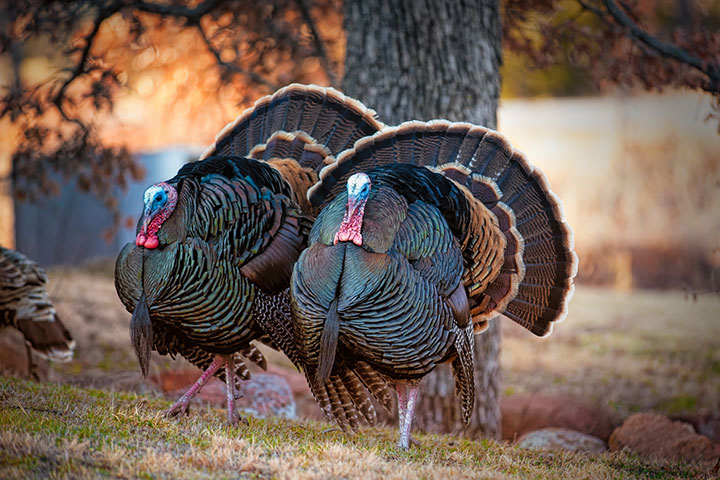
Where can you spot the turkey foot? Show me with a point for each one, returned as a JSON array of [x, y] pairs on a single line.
[[407, 400], [181, 406]]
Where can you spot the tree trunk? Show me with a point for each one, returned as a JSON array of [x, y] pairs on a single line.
[[425, 59]]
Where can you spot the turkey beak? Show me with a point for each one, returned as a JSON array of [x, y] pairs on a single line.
[[351, 206], [148, 216]]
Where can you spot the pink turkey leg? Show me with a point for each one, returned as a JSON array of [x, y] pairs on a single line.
[[405, 438], [181, 406], [401, 390]]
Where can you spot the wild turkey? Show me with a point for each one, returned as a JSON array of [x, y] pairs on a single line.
[[447, 228], [210, 268], [26, 305]]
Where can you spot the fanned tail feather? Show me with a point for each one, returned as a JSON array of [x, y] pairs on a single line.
[[26, 304], [299, 129], [532, 281], [548, 257], [49, 338]]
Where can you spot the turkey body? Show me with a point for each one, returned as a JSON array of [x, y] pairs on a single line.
[[442, 227], [394, 293], [210, 268], [26, 305], [229, 212]]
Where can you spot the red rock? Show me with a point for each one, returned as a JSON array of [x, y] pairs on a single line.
[[522, 414], [174, 380], [705, 424], [561, 439], [654, 435], [14, 356]]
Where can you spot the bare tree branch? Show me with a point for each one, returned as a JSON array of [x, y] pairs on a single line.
[[711, 70], [231, 66], [80, 68], [192, 14], [319, 44], [591, 8]]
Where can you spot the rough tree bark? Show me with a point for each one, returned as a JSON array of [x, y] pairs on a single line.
[[425, 59]]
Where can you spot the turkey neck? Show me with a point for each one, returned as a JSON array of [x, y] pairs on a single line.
[[384, 211]]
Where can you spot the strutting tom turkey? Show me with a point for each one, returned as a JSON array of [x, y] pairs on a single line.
[[427, 231], [209, 270], [26, 305]]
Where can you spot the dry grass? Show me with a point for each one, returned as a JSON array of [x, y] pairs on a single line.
[[630, 351], [55, 431], [633, 352]]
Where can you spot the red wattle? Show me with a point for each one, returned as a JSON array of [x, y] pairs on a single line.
[[349, 233], [140, 240], [151, 242], [351, 227]]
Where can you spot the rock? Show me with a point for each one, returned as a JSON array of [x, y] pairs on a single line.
[[561, 439], [526, 413], [267, 395], [14, 356], [174, 380], [307, 407], [297, 381], [705, 424], [654, 435]]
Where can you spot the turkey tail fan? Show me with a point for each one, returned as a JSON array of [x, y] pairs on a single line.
[[49, 338], [548, 257], [26, 305], [299, 129], [532, 281], [344, 396]]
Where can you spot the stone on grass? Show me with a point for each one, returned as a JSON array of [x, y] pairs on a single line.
[[525, 413], [267, 395], [307, 407], [561, 439], [654, 435], [707, 424], [14, 356]]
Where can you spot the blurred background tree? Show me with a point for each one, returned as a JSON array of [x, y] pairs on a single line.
[[78, 77]]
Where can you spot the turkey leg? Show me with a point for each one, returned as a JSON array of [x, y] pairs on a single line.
[[401, 390], [407, 400], [180, 407], [230, 392]]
